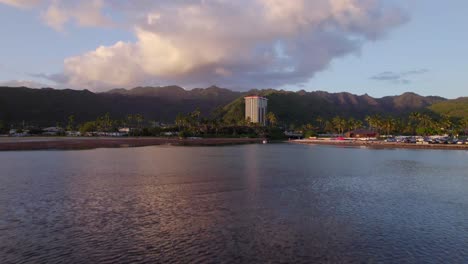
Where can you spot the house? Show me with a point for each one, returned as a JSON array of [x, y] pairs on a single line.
[[170, 134], [124, 130], [52, 131], [361, 133], [73, 133], [294, 134], [18, 132]]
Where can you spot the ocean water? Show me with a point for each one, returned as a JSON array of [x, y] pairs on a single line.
[[234, 204]]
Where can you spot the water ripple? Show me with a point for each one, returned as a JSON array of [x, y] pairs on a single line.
[[241, 204]]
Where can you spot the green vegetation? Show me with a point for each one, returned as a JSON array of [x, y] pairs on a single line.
[[298, 108], [455, 108], [3, 127], [46, 107], [415, 123], [214, 112], [193, 125], [233, 113], [108, 125], [71, 123]]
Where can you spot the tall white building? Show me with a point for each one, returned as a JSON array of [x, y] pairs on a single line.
[[256, 109]]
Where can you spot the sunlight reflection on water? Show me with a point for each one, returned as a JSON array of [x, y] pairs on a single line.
[[251, 203]]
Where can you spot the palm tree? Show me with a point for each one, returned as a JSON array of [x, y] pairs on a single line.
[[71, 123], [320, 121], [195, 116], [389, 125], [414, 119], [464, 125], [329, 126], [339, 124], [215, 124], [308, 127], [415, 116], [181, 121], [445, 123], [104, 123], [426, 123], [272, 120], [354, 124], [374, 122], [205, 125], [139, 119]]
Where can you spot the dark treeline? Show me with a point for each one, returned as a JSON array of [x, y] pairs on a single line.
[[195, 124], [416, 123], [192, 124], [216, 111]]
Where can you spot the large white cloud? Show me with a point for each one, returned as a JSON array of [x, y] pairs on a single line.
[[242, 44]]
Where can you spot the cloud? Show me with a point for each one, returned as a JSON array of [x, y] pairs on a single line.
[[57, 13], [236, 44], [398, 77], [83, 13], [56, 77], [23, 83], [21, 3]]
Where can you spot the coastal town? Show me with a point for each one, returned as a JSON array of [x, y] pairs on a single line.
[[214, 131], [257, 126]]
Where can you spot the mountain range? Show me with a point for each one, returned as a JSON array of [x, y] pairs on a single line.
[[47, 106]]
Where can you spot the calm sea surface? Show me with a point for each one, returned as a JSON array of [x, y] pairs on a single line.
[[238, 204]]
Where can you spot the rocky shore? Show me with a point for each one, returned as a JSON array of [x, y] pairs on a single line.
[[379, 144], [47, 143]]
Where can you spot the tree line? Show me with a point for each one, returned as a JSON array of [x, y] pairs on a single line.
[[195, 124], [416, 123], [184, 125]]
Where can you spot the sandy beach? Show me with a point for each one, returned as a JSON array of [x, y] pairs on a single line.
[[379, 144], [70, 143]]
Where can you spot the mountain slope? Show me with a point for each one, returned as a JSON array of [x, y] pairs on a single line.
[[46, 107], [454, 108], [304, 107]]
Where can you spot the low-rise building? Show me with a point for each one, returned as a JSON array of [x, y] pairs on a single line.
[[18, 133], [52, 131], [361, 133]]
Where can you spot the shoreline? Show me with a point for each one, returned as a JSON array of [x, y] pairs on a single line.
[[83, 143], [378, 144]]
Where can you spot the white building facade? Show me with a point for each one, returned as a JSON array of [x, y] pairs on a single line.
[[256, 109]]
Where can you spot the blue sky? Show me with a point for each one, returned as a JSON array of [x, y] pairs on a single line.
[[423, 50], [435, 39]]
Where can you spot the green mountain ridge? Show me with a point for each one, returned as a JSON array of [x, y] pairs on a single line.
[[455, 108], [304, 107], [47, 106]]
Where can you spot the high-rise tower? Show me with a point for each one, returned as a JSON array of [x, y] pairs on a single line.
[[255, 109]]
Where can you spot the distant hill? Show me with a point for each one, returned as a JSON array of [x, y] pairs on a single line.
[[176, 93], [455, 108], [304, 107], [47, 106]]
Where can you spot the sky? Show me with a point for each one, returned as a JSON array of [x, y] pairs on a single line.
[[375, 47]]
